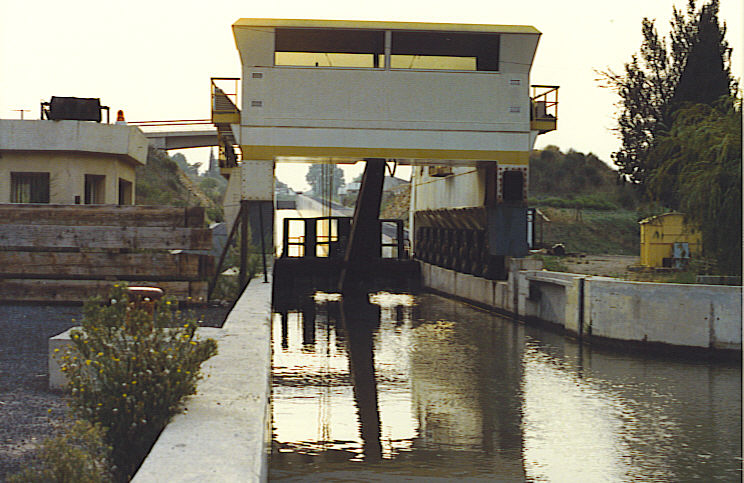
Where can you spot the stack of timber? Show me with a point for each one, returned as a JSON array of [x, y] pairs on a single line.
[[69, 253]]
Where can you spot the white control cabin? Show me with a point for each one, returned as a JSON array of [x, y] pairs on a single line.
[[423, 93]]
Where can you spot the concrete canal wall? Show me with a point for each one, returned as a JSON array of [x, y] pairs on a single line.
[[685, 315], [224, 433]]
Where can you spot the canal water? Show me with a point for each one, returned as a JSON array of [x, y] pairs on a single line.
[[422, 388]]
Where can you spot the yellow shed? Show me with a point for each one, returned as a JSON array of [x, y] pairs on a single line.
[[666, 241]]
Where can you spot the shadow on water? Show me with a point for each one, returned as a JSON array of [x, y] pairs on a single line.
[[423, 388]]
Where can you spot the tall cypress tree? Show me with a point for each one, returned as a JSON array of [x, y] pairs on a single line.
[[706, 76], [693, 66]]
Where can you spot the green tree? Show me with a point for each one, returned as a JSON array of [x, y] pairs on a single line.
[[325, 179], [700, 174], [706, 76], [663, 76]]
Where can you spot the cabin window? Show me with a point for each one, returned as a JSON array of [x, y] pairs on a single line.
[[29, 187], [95, 189], [444, 50], [308, 47], [329, 48]]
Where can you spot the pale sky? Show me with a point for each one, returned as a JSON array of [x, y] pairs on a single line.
[[153, 59]]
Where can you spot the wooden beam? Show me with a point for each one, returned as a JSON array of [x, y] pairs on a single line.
[[20, 236], [36, 290], [105, 265], [98, 215]]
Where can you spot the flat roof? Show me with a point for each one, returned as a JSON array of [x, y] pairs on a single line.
[[379, 25]]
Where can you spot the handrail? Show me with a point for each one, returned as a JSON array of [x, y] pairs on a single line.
[[228, 93], [334, 242], [544, 101]]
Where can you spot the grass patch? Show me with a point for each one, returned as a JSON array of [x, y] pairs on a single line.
[[552, 263], [593, 231]]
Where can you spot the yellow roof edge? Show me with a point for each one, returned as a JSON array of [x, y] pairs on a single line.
[[384, 25], [655, 217]]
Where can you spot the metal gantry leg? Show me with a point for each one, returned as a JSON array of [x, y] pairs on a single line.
[[364, 240]]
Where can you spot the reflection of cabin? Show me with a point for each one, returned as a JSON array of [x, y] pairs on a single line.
[[667, 241], [69, 162]]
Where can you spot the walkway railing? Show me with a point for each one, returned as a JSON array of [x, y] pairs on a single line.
[[544, 112], [327, 236]]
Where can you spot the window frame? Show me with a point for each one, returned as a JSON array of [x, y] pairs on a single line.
[[388, 49], [95, 187], [29, 177]]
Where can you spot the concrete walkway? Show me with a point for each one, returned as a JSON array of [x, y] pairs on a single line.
[[223, 434]]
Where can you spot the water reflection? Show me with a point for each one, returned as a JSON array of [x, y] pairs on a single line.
[[426, 388], [627, 418], [359, 320]]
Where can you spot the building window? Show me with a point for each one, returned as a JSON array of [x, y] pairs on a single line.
[[468, 51], [95, 189], [445, 51], [330, 48], [125, 192], [29, 187]]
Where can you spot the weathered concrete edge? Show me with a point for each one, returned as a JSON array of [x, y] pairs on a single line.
[[513, 298], [223, 433]]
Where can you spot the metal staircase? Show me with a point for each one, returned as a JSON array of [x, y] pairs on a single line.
[[225, 112]]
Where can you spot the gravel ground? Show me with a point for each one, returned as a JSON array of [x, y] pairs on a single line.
[[29, 410]]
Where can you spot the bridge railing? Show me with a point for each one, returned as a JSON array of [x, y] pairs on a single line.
[[327, 236]]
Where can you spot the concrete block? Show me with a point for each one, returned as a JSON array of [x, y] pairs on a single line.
[[56, 347], [678, 314]]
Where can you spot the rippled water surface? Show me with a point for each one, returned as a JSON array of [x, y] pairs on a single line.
[[421, 388]]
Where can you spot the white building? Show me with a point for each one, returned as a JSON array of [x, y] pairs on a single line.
[[69, 162]]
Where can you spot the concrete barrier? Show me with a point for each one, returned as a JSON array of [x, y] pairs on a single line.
[[223, 435], [706, 316], [685, 315]]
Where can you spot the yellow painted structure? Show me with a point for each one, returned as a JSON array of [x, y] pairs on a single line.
[[422, 93], [660, 233]]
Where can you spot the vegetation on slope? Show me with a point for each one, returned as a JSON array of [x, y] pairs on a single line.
[[162, 182], [577, 180], [590, 209]]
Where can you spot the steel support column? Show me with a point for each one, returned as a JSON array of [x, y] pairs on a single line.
[[365, 238]]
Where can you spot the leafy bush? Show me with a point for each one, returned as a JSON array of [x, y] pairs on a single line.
[[78, 455], [129, 368]]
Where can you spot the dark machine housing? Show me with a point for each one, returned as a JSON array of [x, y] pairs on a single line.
[[74, 109]]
